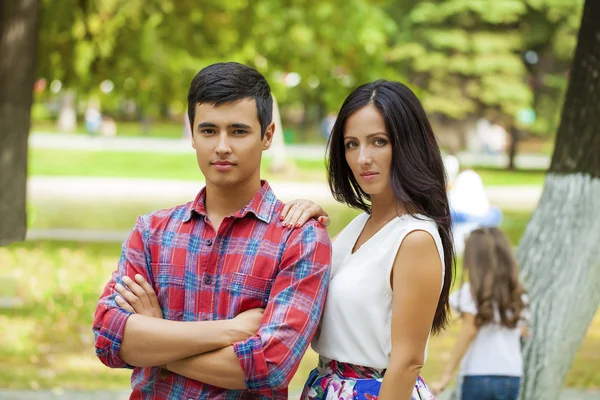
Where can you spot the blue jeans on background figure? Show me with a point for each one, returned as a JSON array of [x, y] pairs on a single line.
[[484, 387]]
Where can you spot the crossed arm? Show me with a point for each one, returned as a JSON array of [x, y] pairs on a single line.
[[149, 340], [232, 353], [128, 339], [211, 360]]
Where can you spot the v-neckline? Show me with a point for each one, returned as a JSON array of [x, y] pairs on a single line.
[[353, 251]]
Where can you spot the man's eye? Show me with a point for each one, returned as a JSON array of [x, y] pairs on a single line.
[[207, 131], [239, 132]]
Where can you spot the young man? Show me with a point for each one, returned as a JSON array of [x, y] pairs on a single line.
[[212, 262]]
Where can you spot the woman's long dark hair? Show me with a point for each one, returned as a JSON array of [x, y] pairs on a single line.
[[417, 173], [494, 277]]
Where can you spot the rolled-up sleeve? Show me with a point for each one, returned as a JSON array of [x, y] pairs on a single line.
[[109, 318], [270, 359]]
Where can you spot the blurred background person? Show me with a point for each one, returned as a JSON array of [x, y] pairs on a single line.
[[93, 117], [494, 315], [470, 207]]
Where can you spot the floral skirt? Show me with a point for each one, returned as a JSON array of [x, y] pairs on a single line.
[[340, 381]]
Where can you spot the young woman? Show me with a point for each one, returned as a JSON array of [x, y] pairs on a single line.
[[392, 265], [494, 317]]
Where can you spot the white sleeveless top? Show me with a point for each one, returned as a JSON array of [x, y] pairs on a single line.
[[356, 325]]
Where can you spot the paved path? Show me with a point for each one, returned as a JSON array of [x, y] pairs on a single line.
[[134, 189], [303, 151], [174, 192]]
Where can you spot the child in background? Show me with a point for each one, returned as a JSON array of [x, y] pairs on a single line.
[[494, 314]]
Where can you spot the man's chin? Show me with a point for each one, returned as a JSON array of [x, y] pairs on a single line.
[[223, 182]]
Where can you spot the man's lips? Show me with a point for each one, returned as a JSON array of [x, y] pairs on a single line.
[[223, 163]]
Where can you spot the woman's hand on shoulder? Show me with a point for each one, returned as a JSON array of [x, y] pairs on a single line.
[[296, 212]]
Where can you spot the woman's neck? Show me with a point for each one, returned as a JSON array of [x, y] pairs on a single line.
[[384, 208]]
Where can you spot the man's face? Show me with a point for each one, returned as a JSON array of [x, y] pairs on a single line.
[[228, 143]]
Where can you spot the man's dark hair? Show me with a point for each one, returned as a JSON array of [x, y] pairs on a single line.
[[231, 82]]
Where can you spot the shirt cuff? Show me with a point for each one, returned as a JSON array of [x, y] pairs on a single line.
[[110, 338], [251, 357]]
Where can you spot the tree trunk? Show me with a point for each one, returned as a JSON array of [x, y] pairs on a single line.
[[18, 47], [559, 253], [278, 150], [515, 136]]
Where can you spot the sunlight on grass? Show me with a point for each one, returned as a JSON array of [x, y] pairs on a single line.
[[160, 129], [53, 162], [48, 342]]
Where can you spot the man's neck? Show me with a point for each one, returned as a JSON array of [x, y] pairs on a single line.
[[222, 201]]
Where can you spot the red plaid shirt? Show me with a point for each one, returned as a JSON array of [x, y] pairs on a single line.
[[253, 261]]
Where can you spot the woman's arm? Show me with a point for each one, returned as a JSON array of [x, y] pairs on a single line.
[[466, 335], [416, 281]]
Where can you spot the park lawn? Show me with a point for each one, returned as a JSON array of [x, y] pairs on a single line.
[[159, 129], [48, 341], [503, 177], [53, 162], [183, 166], [117, 215]]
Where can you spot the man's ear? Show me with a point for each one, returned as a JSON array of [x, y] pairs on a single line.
[[268, 138]]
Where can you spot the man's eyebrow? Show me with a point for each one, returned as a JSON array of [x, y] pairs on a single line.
[[235, 125], [240, 125], [206, 125]]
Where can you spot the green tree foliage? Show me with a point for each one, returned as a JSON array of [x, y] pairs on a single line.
[[463, 57], [470, 56], [151, 49], [550, 29]]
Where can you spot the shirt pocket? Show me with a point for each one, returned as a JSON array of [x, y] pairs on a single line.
[[248, 291], [169, 285]]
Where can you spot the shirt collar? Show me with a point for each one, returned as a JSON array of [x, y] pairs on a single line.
[[261, 205]]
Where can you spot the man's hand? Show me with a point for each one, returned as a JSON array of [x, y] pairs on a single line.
[[246, 324], [138, 298]]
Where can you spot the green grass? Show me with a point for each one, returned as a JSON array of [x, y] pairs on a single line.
[[159, 129], [116, 215], [502, 177], [53, 162], [48, 342]]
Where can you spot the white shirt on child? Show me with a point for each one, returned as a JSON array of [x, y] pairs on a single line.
[[496, 350], [356, 324]]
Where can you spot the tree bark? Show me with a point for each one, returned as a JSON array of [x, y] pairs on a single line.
[[559, 253], [18, 47], [515, 137], [278, 150]]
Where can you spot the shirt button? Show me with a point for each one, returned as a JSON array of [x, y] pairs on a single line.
[[207, 280], [209, 242]]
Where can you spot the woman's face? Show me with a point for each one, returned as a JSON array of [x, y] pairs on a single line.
[[368, 150]]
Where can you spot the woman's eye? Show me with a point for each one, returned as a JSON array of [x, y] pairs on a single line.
[[380, 142], [351, 145]]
